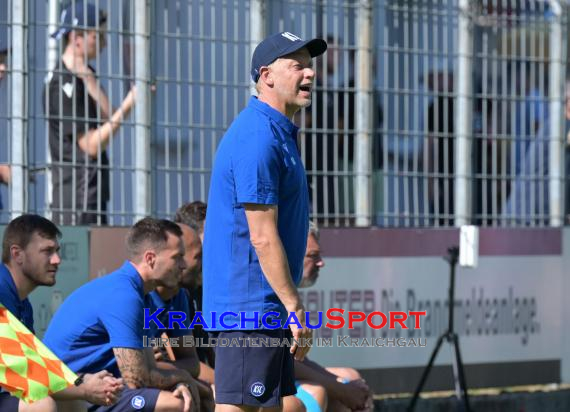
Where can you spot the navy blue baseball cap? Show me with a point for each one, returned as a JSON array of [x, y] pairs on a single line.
[[279, 45], [81, 16]]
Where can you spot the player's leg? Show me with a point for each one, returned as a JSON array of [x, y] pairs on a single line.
[[44, 405], [313, 396], [346, 373], [292, 403]]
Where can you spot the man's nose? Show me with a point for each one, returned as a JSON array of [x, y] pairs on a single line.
[[55, 259]]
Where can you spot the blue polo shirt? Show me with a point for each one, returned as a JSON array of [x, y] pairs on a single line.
[[103, 314], [179, 303], [257, 162], [21, 309]]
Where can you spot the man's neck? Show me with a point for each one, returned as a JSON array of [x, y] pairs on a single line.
[[24, 285], [286, 111], [148, 283]]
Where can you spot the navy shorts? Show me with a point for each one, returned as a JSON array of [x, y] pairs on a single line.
[[132, 400], [253, 376], [8, 403]]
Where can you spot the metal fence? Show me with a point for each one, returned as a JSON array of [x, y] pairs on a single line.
[[425, 112]]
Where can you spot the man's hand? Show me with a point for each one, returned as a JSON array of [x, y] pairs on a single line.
[[301, 334], [159, 354], [355, 395], [183, 392], [102, 388]]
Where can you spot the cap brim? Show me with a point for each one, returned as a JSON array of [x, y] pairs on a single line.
[[316, 47], [57, 34]]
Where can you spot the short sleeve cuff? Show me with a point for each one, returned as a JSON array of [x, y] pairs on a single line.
[[269, 199], [127, 343]]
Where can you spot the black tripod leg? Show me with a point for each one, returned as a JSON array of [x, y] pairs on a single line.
[[425, 373], [459, 374]]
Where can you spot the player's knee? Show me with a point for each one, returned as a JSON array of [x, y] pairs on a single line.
[[318, 392], [350, 374], [167, 402], [293, 404], [44, 405]]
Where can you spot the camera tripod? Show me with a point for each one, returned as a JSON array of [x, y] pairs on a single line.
[[451, 337]]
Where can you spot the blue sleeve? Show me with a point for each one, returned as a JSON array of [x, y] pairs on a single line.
[[123, 321], [181, 304], [256, 168]]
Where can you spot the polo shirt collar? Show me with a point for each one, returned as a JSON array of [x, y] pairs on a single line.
[[287, 125], [6, 277], [133, 274], [157, 300]]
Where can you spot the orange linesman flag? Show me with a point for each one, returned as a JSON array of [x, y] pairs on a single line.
[[28, 369]]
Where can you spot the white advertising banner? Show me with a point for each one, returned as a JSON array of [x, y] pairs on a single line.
[[507, 309]]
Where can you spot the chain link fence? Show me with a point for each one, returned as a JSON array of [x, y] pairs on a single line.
[[425, 113]]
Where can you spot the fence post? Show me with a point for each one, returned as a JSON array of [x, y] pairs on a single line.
[[556, 139], [256, 24], [363, 149], [142, 205], [463, 116], [18, 91]]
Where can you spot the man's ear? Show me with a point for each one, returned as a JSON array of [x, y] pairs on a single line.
[[16, 254], [149, 258], [266, 76]]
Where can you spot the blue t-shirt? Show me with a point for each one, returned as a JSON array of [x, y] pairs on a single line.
[[257, 162], [103, 314], [153, 302], [21, 309]]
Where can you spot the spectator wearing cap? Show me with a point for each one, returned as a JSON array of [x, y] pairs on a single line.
[[81, 120], [255, 242]]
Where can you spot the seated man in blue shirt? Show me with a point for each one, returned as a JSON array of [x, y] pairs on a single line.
[[344, 388], [30, 258], [177, 299], [100, 325]]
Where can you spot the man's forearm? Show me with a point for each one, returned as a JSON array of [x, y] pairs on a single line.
[[308, 372], [69, 394], [167, 379], [206, 373], [276, 270]]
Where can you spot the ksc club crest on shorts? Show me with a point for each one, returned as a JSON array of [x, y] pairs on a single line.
[[137, 402], [257, 389]]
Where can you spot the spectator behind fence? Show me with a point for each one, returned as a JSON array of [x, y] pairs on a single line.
[[100, 325], [4, 168], [528, 203], [81, 121], [256, 227], [329, 134], [30, 258], [441, 152], [344, 387]]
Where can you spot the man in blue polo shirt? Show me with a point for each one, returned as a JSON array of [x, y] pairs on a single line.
[[30, 258], [177, 299], [100, 325], [256, 227]]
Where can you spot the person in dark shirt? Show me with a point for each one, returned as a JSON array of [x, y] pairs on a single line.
[[81, 121]]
